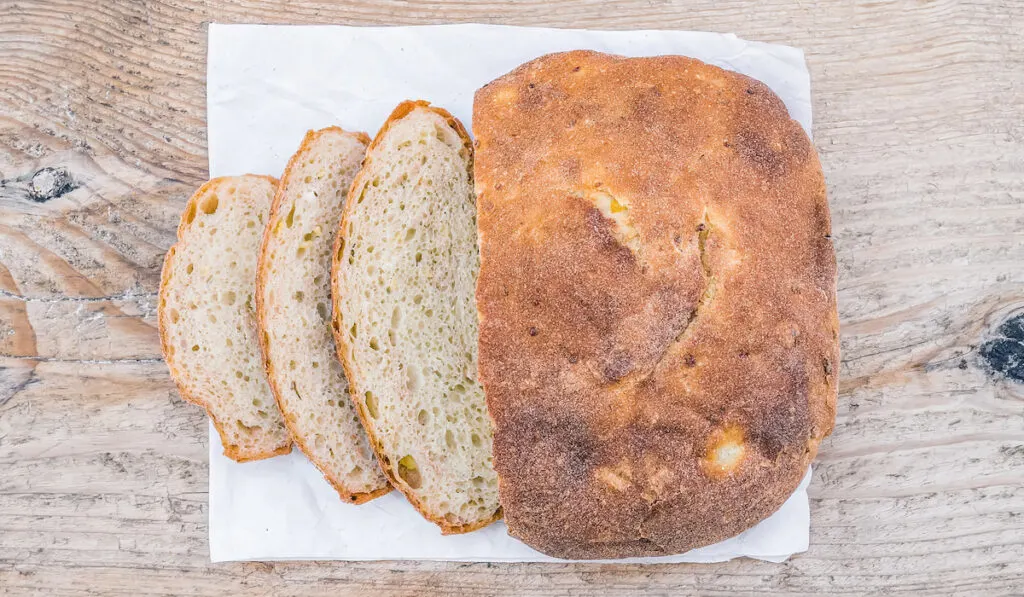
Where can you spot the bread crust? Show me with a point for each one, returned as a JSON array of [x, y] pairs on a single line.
[[231, 451], [657, 297], [341, 340], [347, 494]]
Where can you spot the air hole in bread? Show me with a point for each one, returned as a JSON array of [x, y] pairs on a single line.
[[321, 310], [213, 318], [371, 405], [374, 344], [409, 473], [299, 295], [449, 439], [209, 204], [190, 214], [475, 439], [195, 348], [292, 365], [352, 331], [410, 234], [189, 268], [228, 298], [422, 417], [238, 374], [316, 365], [174, 315], [414, 379], [419, 257], [290, 218]]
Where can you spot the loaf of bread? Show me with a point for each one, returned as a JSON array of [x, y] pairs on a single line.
[[657, 296], [293, 305], [207, 315], [405, 266]]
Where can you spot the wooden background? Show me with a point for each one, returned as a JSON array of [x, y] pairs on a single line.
[[919, 119]]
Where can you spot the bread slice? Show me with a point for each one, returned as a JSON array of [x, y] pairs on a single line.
[[207, 315], [293, 306], [405, 266]]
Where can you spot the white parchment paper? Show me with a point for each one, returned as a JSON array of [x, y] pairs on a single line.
[[266, 86]]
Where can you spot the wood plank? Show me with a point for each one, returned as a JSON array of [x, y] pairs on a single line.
[[917, 119]]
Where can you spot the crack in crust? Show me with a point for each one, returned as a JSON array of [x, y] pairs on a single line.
[[707, 295], [615, 209]]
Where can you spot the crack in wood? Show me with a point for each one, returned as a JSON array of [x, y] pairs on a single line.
[[31, 378], [142, 361], [124, 296]]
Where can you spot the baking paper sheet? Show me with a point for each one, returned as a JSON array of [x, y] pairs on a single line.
[[266, 86]]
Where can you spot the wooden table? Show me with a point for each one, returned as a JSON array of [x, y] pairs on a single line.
[[919, 119]]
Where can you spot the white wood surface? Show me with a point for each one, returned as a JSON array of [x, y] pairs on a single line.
[[919, 120]]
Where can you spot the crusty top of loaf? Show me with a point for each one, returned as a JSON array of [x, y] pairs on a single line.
[[657, 294]]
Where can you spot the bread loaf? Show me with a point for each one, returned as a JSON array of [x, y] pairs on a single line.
[[293, 300], [207, 316], [405, 267], [657, 296]]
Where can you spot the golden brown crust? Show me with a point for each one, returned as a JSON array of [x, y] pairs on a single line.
[[658, 329], [341, 340], [232, 451], [346, 493]]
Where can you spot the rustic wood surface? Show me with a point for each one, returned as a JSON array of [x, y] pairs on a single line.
[[919, 119]]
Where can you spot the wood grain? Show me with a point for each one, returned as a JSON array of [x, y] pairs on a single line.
[[918, 107]]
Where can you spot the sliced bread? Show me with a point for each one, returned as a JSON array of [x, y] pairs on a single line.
[[207, 315], [293, 305], [405, 323]]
